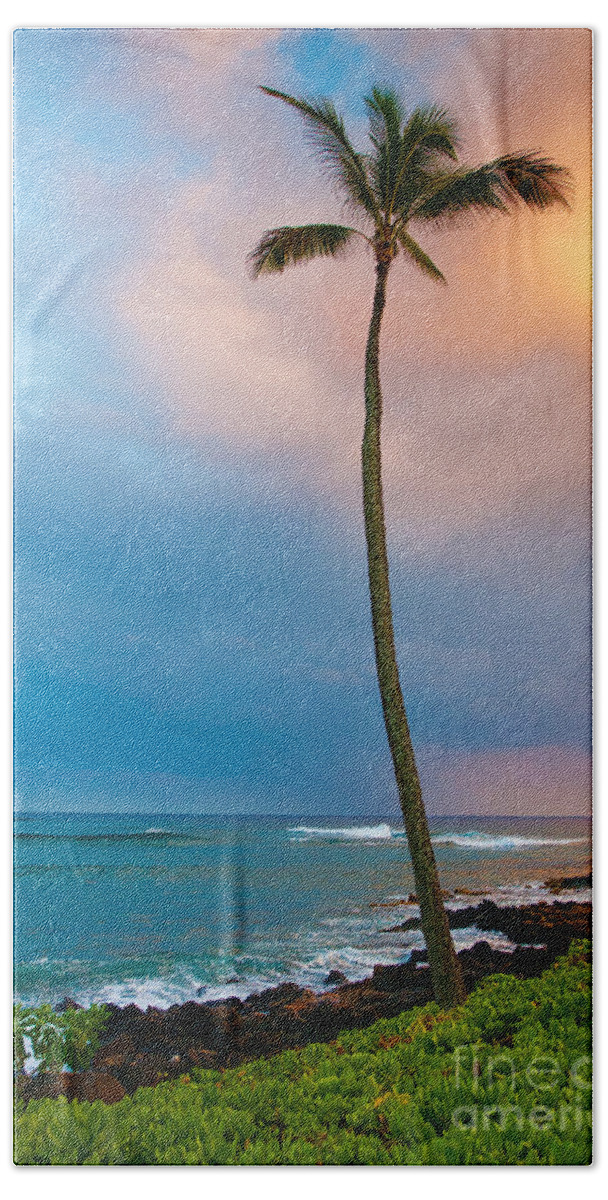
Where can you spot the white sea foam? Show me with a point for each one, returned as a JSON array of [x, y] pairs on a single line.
[[146, 992], [465, 938], [488, 841], [371, 833], [468, 840], [518, 894], [31, 1063], [354, 961]]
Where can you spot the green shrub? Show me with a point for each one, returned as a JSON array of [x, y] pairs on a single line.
[[504, 1079], [67, 1039]]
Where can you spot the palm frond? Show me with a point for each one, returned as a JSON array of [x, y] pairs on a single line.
[[403, 147], [421, 259], [535, 181], [280, 248], [329, 138], [428, 136], [385, 118], [447, 193], [432, 130]]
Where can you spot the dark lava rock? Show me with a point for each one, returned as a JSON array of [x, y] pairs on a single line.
[[95, 1085], [79, 1085], [46, 1086], [569, 883], [231, 1002], [395, 979], [334, 978], [146, 1070], [192, 1020], [115, 1053], [552, 925], [556, 923], [483, 952], [419, 956], [285, 993], [199, 1056]]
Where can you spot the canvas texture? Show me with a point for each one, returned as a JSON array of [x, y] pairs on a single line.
[[302, 583]]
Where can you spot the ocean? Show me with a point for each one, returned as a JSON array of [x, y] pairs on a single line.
[[156, 910]]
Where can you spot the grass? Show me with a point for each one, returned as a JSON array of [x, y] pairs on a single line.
[[503, 1079]]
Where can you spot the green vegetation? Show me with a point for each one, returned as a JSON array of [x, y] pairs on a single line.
[[409, 177], [67, 1039], [503, 1079]]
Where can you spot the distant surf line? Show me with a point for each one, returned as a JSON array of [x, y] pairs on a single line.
[[469, 840]]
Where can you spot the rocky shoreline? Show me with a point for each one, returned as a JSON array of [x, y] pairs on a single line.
[[142, 1049]]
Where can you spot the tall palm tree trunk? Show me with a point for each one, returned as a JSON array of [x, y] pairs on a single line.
[[445, 968]]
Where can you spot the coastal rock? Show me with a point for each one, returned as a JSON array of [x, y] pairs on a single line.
[[334, 978], [198, 1056], [147, 1070], [419, 956], [552, 925], [95, 1085], [47, 1086], [192, 1020], [402, 977], [285, 993], [228, 1032], [569, 883], [532, 924], [115, 1053], [530, 961]]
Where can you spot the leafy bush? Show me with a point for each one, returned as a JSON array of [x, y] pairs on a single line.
[[504, 1079], [67, 1039]]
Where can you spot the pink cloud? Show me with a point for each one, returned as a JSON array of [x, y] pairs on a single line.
[[543, 780]]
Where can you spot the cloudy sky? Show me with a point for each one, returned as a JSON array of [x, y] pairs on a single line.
[[192, 619]]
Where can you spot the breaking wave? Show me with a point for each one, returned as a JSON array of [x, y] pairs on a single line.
[[368, 833], [489, 841], [467, 840]]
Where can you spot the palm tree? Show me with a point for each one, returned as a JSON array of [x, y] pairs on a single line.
[[410, 177]]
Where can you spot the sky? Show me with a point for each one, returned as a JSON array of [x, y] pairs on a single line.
[[193, 626]]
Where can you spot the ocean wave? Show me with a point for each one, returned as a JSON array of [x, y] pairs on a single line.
[[368, 833], [149, 992], [489, 841], [465, 938], [519, 895], [468, 840], [355, 960]]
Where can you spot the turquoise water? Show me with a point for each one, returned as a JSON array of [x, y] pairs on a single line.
[[160, 909]]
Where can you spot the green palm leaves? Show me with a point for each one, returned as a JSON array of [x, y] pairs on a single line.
[[410, 175], [497, 185], [296, 243], [421, 259], [328, 136], [404, 149]]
